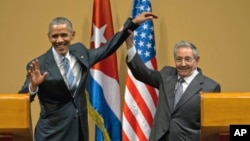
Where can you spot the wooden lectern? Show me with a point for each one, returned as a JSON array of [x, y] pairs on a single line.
[[15, 118], [219, 111]]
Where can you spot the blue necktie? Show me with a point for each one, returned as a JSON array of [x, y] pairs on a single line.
[[179, 91], [71, 81]]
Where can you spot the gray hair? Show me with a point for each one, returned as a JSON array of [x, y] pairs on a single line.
[[187, 44], [60, 20]]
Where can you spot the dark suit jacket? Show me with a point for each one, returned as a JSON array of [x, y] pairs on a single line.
[[183, 122], [60, 111]]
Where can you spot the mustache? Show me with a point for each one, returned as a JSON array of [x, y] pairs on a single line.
[[183, 68]]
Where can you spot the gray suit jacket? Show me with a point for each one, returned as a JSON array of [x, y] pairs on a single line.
[[183, 122], [60, 112]]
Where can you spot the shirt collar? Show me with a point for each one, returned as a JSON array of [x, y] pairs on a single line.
[[188, 79], [58, 58]]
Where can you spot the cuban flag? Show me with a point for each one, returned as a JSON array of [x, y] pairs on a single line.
[[103, 87]]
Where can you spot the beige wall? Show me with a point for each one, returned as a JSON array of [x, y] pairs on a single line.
[[219, 28]]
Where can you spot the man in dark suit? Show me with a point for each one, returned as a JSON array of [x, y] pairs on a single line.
[[63, 115], [180, 121]]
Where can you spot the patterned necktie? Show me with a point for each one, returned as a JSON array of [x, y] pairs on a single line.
[[179, 91], [71, 81]]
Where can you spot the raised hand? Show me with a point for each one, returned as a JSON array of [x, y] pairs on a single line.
[[36, 78]]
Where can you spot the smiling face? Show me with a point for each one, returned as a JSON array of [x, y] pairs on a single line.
[[60, 37], [185, 61]]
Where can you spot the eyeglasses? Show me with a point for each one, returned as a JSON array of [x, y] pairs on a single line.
[[186, 60]]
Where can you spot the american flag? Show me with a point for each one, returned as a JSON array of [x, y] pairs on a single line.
[[103, 86], [140, 99]]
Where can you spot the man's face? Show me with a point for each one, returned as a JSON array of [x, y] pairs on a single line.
[[60, 37], [185, 61]]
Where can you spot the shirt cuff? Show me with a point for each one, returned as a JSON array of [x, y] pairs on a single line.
[[130, 25], [131, 53], [33, 92]]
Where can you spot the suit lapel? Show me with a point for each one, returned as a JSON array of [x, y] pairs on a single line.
[[193, 89], [53, 70], [170, 93], [81, 57]]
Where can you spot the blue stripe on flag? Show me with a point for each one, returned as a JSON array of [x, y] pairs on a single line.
[[111, 122]]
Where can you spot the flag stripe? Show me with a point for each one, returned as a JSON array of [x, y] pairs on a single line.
[[109, 92], [127, 130], [142, 123], [135, 125], [144, 108], [152, 91]]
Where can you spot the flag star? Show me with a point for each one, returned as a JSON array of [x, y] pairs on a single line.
[[150, 37], [147, 54], [143, 35], [149, 45], [139, 51], [141, 43], [148, 9], [152, 29], [135, 33], [141, 7], [98, 35], [145, 26]]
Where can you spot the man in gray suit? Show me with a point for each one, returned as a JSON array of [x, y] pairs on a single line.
[[181, 121], [63, 115]]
